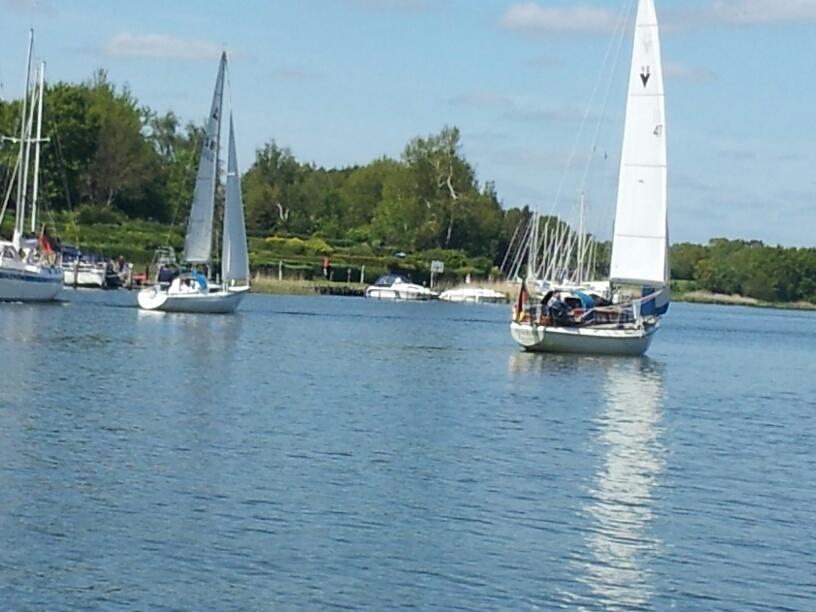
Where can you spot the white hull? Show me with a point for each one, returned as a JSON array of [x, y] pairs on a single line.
[[473, 296], [216, 302], [38, 285], [386, 293], [85, 278], [593, 340]]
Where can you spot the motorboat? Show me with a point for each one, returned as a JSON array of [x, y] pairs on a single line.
[[474, 295], [398, 287], [84, 269]]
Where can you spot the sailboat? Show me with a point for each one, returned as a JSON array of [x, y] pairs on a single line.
[[193, 291], [29, 264], [575, 322]]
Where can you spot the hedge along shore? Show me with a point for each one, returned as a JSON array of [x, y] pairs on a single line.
[[271, 285]]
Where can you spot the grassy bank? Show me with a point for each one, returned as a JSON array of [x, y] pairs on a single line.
[[271, 285], [706, 297]]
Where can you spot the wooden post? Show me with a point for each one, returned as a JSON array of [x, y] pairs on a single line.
[[362, 275], [280, 270]]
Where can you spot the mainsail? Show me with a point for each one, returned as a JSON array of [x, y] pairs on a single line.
[[198, 242], [639, 247], [234, 260]]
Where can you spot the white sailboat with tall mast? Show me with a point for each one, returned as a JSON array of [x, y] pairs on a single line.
[[571, 321], [29, 264], [194, 291]]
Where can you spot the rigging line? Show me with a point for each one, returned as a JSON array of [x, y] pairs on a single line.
[[620, 37], [587, 110], [187, 171]]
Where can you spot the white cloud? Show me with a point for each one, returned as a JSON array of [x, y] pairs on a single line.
[[746, 12], [159, 46], [532, 18]]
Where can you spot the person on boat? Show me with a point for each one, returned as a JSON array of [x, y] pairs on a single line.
[[167, 274], [201, 280], [557, 309]]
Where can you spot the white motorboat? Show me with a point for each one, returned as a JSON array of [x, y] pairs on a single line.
[[83, 270], [474, 295], [29, 266], [397, 287], [575, 322], [192, 291]]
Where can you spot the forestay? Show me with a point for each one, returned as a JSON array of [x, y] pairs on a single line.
[[639, 248], [198, 242], [234, 260]]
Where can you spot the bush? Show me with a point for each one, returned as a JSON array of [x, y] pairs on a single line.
[[318, 246], [93, 215]]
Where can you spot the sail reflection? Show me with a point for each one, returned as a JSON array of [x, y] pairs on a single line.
[[621, 507]]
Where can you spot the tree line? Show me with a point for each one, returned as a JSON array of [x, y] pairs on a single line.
[[110, 154], [111, 159], [749, 268]]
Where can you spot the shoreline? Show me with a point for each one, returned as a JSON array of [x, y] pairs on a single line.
[[272, 286], [722, 299]]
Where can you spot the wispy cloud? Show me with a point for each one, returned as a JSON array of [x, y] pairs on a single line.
[[545, 62], [29, 6], [684, 72], [515, 109], [533, 18], [409, 5], [738, 155], [762, 11], [482, 100], [159, 46], [296, 73]]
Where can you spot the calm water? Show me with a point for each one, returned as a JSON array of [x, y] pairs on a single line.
[[316, 453]]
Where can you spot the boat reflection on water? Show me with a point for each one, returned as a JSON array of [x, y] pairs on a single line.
[[620, 510]]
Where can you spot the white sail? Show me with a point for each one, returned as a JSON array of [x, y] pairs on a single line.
[[640, 244], [234, 258], [198, 242]]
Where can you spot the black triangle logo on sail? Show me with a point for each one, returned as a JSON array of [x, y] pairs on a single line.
[[645, 73]]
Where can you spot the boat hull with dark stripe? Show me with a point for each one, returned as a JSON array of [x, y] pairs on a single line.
[[26, 285], [631, 340]]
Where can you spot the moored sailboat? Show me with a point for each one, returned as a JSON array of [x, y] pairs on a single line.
[[192, 291], [29, 264], [573, 321]]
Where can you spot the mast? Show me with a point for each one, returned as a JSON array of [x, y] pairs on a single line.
[[532, 259], [581, 239], [37, 142], [22, 169]]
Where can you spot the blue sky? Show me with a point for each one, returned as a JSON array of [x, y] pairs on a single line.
[[345, 81]]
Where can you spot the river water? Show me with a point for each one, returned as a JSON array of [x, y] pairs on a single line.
[[319, 453]]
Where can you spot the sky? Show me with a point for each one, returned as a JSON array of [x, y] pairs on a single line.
[[537, 88]]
